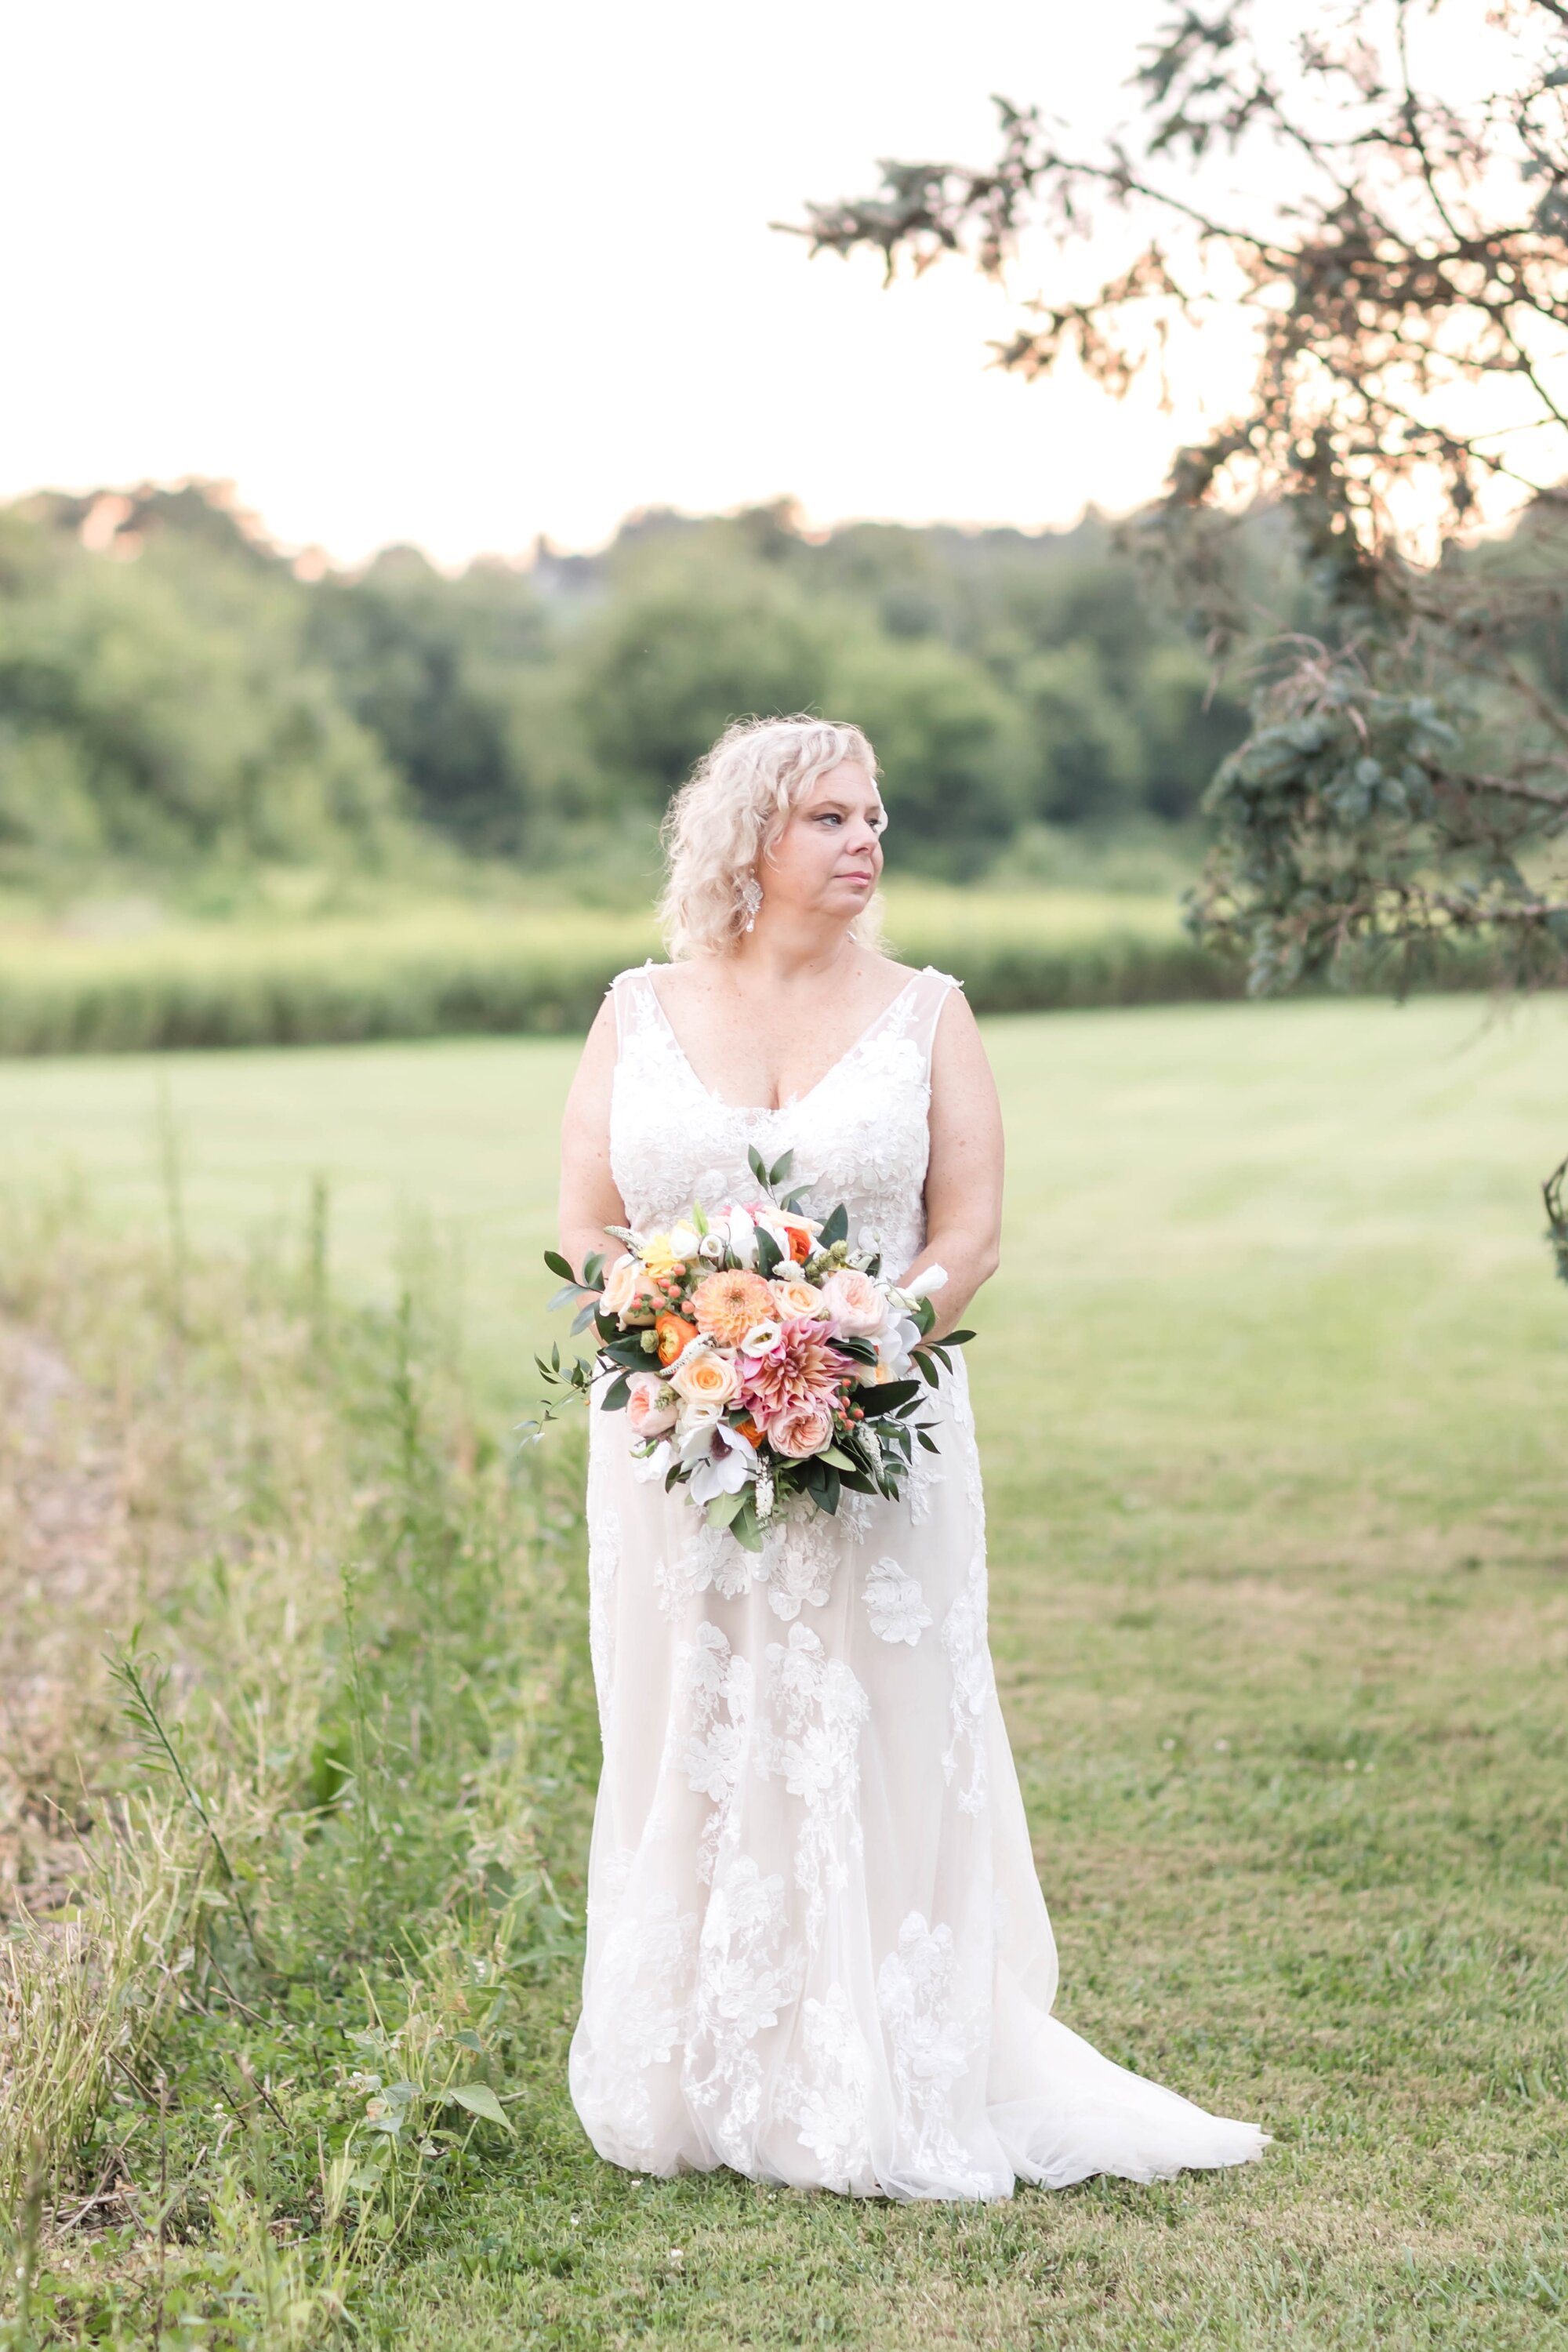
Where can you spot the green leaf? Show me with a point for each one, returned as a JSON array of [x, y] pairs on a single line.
[[840, 1461], [583, 1317], [957, 1339], [928, 1370], [836, 1228], [593, 1267], [756, 1164], [557, 1265], [886, 1398], [768, 1252], [725, 1508], [781, 1168], [616, 1394], [479, 2100], [744, 1529]]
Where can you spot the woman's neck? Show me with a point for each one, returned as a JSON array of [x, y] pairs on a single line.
[[782, 950]]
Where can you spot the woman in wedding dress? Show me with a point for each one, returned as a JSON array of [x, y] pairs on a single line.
[[817, 1949]]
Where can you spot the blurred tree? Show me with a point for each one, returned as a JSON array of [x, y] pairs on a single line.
[[1405, 782], [952, 748], [165, 707], [438, 670], [692, 639]]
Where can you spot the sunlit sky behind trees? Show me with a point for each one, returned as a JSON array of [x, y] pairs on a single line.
[[465, 276]]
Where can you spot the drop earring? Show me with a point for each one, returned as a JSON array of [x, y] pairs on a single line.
[[751, 899]]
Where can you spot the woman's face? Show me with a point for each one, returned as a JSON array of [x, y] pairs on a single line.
[[826, 857]]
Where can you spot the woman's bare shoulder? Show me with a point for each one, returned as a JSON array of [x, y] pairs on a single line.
[[689, 976]]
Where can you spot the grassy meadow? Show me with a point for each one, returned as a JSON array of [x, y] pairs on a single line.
[[1271, 1391]]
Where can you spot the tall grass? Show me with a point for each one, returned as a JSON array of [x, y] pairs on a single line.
[[260, 2019], [474, 968]]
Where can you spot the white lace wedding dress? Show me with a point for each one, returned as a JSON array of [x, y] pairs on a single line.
[[817, 1949]]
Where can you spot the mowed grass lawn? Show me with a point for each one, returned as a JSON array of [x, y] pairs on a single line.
[[1271, 1392]]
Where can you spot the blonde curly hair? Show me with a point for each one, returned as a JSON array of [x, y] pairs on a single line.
[[723, 822]]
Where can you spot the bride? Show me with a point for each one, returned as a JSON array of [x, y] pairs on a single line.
[[817, 1949]]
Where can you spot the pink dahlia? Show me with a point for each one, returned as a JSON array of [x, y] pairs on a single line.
[[802, 1368]]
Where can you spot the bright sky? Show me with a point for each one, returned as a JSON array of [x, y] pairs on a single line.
[[464, 273]]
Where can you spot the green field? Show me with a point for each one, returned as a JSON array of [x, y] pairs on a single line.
[[454, 966], [1271, 1394]]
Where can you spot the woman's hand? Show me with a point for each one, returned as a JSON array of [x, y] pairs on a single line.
[[589, 1197], [964, 1176]]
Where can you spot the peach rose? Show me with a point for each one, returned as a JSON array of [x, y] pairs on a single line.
[[797, 1301], [650, 1407], [707, 1379], [800, 1429], [627, 1286], [852, 1301]]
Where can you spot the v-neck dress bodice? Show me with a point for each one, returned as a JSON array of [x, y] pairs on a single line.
[[817, 1949], [860, 1135]]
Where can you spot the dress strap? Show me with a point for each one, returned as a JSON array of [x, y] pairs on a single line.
[[930, 995], [629, 992]]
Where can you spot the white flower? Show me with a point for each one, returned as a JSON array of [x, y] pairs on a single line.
[[652, 1466], [725, 1469], [711, 1245], [684, 1238], [779, 1234], [742, 1236], [761, 1338], [925, 1285]]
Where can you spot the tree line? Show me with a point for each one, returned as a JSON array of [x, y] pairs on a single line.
[[175, 690]]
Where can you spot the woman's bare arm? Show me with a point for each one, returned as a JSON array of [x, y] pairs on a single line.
[[589, 1197], [963, 1178]]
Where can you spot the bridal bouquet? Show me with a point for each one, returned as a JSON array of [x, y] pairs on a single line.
[[757, 1357]]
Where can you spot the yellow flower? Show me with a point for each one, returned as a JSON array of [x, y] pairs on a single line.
[[659, 1256]]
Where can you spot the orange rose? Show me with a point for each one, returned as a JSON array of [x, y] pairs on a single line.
[[799, 1244], [674, 1333], [747, 1428]]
